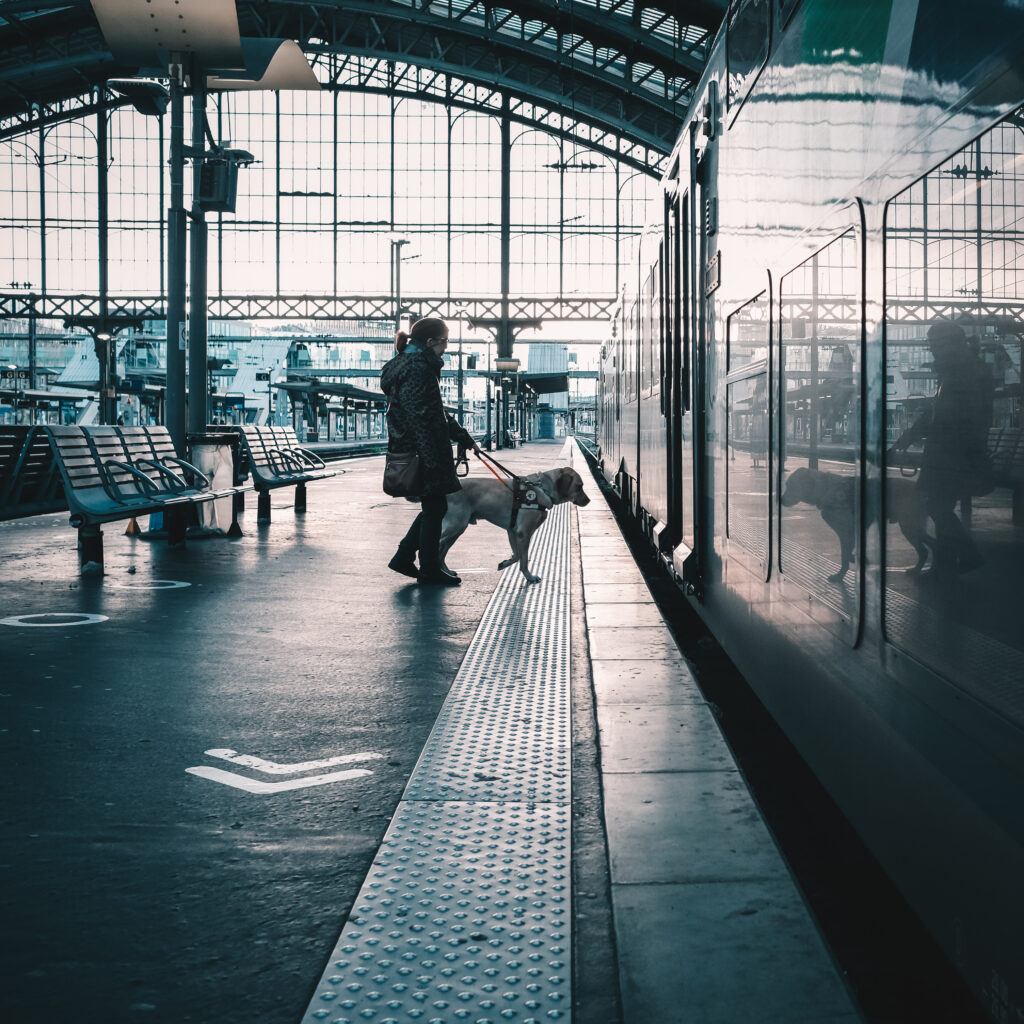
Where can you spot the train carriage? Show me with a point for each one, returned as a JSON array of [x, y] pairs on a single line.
[[819, 430]]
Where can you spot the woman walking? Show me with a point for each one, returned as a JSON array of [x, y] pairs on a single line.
[[417, 422]]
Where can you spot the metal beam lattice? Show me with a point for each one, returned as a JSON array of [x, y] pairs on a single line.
[[15, 305]]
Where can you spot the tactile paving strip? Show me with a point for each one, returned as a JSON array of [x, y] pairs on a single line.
[[465, 914], [503, 732]]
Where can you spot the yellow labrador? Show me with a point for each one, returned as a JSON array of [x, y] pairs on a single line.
[[492, 500]]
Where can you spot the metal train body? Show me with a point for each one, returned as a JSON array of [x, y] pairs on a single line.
[[852, 174]]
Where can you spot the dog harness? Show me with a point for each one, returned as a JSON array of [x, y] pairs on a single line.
[[524, 495]]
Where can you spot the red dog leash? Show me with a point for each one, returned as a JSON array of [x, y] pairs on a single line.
[[487, 460]]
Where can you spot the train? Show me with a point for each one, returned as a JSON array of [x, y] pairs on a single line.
[[809, 401]]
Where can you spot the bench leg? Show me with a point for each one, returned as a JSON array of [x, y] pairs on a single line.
[[239, 501], [90, 551], [175, 524], [263, 508], [234, 530], [300, 497]]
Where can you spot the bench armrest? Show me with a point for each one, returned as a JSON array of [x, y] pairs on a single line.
[[290, 460], [178, 482], [187, 466], [313, 460], [110, 484], [175, 482]]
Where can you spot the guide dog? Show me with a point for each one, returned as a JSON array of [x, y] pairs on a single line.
[[491, 500], [836, 497]]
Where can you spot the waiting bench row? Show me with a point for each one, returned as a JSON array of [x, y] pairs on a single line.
[[103, 474]]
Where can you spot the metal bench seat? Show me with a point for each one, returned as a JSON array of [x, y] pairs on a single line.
[[30, 482], [112, 473], [273, 458]]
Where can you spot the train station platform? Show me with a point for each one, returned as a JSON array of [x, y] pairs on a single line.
[[268, 779]]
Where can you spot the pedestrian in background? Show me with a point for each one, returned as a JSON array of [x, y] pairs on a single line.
[[417, 422]]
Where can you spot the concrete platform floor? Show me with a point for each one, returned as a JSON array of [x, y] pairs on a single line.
[[133, 889]]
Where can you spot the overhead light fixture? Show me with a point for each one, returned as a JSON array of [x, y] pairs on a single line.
[[147, 97], [268, 64], [145, 35]]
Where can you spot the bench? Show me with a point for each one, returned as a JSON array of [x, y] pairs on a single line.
[[513, 438], [271, 456], [113, 473], [30, 483], [1006, 450]]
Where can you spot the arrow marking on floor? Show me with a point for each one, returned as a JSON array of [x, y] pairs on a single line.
[[272, 768], [255, 786]]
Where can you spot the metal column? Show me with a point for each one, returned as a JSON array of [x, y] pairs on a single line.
[[175, 399], [198, 384]]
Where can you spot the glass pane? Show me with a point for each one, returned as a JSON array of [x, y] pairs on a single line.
[[747, 500], [820, 371], [748, 334], [955, 464], [747, 45], [647, 334]]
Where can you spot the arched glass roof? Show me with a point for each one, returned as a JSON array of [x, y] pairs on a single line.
[[617, 67]]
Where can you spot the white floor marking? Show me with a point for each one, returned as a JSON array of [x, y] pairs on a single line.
[[53, 619], [272, 768], [264, 788]]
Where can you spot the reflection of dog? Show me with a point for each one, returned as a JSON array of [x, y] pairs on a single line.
[[836, 496], [492, 500]]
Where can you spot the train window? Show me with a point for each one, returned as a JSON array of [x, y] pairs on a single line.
[[954, 464], [647, 334], [820, 340], [657, 330], [748, 334], [630, 353], [747, 468], [746, 46], [785, 9]]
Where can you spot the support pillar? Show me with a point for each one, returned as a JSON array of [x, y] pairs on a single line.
[[174, 406], [198, 376]]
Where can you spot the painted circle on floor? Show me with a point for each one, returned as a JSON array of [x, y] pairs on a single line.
[[53, 619], [147, 584]]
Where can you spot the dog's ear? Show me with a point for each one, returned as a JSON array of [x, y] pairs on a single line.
[[566, 482]]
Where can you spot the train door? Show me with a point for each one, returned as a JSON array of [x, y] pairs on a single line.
[[701, 265], [676, 389]]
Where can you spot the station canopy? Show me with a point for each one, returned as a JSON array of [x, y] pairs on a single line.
[[623, 67]]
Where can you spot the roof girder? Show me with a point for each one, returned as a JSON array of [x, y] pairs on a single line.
[[469, 43]]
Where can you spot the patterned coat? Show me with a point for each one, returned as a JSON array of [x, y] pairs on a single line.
[[417, 421]]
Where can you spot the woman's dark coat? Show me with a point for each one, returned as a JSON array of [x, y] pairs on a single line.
[[417, 421]]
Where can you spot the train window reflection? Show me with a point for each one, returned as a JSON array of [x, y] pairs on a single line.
[[746, 46], [954, 324], [820, 335], [747, 511], [647, 333]]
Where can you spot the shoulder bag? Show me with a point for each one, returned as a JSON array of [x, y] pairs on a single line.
[[403, 477]]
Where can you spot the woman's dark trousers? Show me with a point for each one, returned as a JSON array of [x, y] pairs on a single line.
[[425, 533]]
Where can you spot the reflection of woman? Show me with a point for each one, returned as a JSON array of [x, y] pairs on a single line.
[[417, 422], [955, 459]]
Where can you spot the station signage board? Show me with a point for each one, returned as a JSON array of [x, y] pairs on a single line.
[[15, 379]]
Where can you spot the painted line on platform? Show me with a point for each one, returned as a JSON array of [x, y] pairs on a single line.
[[53, 619], [273, 768], [147, 584], [266, 788]]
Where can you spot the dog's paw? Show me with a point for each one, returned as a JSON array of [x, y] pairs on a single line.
[[506, 563], [532, 579], [837, 577]]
